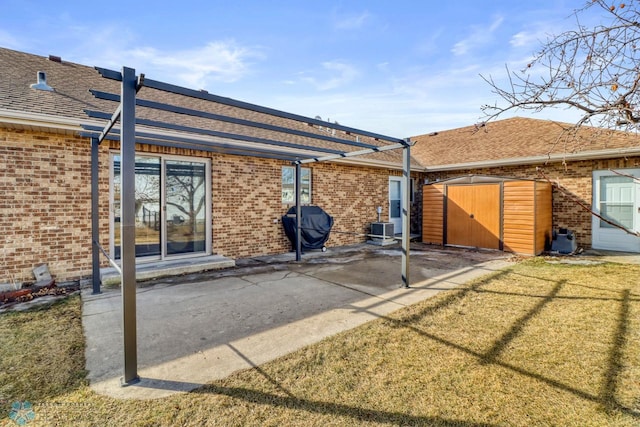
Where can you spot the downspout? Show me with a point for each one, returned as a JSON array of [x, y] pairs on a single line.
[[95, 219]]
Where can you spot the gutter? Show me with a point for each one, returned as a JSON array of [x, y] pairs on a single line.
[[68, 125], [43, 121], [377, 164], [553, 158]]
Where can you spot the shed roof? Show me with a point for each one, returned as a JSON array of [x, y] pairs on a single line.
[[63, 108], [480, 179]]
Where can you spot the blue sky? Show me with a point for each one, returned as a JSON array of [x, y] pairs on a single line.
[[400, 68]]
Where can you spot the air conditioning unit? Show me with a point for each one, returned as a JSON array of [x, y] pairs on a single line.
[[382, 233]]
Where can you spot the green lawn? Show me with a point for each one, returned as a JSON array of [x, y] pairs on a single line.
[[536, 344]]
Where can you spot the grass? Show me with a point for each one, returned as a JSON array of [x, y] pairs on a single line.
[[536, 344]]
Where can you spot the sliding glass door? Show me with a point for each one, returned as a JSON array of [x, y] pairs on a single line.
[[172, 206], [186, 202]]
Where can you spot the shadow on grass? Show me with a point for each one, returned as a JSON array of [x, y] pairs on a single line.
[[500, 344], [607, 395], [333, 409], [608, 392], [450, 298]]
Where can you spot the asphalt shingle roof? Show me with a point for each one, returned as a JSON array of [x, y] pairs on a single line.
[[503, 139], [514, 138], [71, 96]]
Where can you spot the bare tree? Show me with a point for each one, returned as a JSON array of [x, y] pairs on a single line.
[[594, 70]]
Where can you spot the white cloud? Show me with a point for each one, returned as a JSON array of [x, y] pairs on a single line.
[[197, 67], [417, 101], [522, 39], [383, 66], [479, 36], [339, 75], [531, 38], [216, 61], [352, 22]]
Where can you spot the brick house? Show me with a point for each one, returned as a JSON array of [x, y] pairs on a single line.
[[236, 199], [45, 176], [582, 164]]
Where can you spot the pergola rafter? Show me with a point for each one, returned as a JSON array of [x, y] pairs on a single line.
[[125, 126], [228, 119]]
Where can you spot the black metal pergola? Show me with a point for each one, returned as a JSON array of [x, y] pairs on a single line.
[[166, 133]]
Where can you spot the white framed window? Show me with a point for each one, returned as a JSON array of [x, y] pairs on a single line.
[[289, 185]]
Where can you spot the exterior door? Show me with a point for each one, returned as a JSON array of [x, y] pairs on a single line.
[[473, 215], [172, 204], [185, 207], [395, 203], [147, 205], [616, 198]]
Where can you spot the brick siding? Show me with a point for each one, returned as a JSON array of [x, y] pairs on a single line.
[[44, 205], [45, 208]]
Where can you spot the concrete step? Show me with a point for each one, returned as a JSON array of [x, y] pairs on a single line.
[[155, 269]]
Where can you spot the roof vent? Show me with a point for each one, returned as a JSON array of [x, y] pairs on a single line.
[[54, 58], [42, 82]]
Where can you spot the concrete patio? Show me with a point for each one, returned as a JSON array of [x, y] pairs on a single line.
[[197, 328]]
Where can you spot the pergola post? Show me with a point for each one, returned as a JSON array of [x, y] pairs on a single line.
[[128, 224], [406, 212], [405, 190], [298, 213], [95, 216]]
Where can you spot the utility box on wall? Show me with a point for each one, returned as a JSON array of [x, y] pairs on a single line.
[[513, 215]]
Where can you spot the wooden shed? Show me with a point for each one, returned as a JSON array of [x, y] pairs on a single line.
[[507, 214]]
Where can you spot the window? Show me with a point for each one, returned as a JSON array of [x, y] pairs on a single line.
[[289, 188], [172, 206], [616, 200]]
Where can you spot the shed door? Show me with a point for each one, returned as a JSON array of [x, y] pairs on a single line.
[[473, 215]]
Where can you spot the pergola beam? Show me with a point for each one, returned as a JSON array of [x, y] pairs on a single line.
[[226, 135], [222, 118], [204, 145], [112, 121], [248, 123], [200, 131], [167, 87], [199, 94], [354, 153]]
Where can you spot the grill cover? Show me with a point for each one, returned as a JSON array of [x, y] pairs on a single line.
[[316, 226]]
